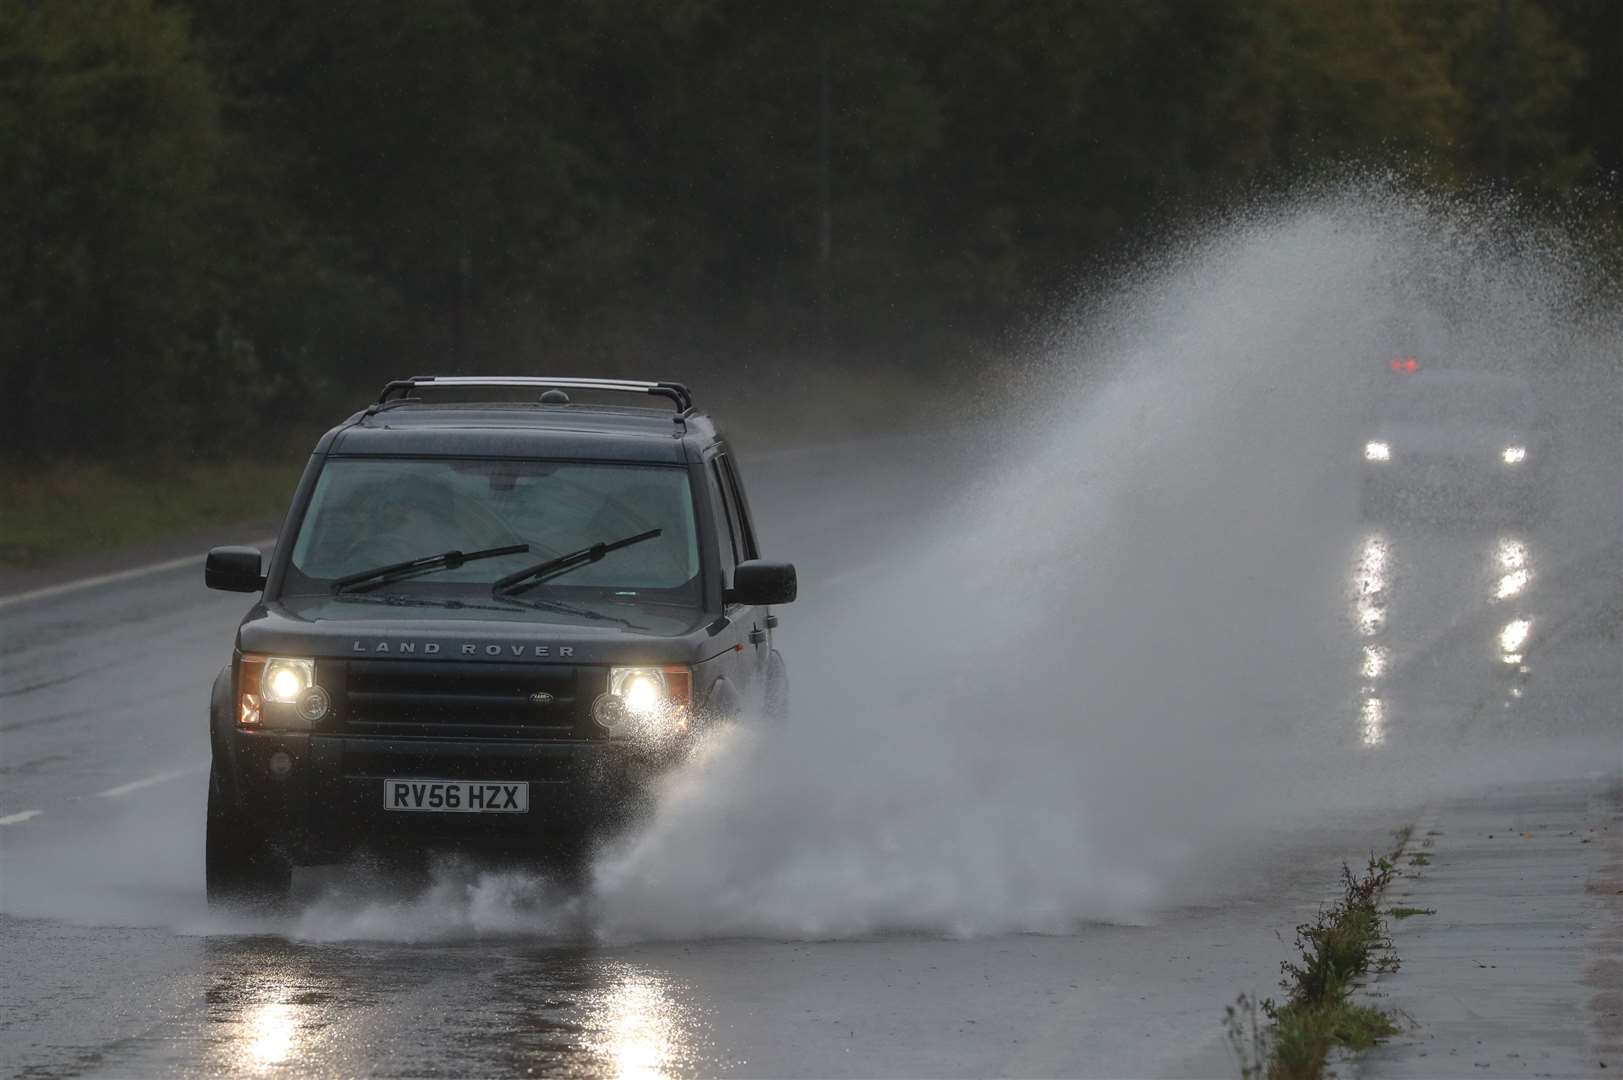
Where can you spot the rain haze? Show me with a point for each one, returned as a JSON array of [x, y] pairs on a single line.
[[1267, 534]]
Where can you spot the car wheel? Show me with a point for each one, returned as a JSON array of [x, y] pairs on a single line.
[[239, 864], [777, 689]]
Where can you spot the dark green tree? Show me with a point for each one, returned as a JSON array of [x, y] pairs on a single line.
[[107, 140]]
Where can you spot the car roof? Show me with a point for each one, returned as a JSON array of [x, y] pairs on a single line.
[[523, 429]]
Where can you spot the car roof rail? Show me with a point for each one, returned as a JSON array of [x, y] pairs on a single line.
[[398, 390]]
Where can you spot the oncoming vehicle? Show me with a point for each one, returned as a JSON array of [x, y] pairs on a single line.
[[486, 623], [1462, 444]]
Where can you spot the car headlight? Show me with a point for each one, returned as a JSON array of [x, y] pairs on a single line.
[[640, 696], [286, 678], [1514, 455], [279, 691], [1377, 451]]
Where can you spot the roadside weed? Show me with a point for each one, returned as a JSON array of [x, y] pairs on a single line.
[[1345, 942]]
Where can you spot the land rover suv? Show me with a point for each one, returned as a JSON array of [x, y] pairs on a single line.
[[495, 610]]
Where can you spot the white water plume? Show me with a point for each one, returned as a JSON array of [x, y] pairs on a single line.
[[1122, 650], [1126, 647]]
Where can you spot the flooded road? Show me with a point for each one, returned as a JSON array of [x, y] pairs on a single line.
[[115, 967]]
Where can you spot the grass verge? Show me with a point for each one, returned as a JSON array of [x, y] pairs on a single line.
[[66, 510], [1345, 942]]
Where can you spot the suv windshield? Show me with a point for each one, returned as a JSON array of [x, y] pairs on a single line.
[[367, 513]]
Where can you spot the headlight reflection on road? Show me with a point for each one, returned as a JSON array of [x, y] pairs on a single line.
[[1373, 718], [641, 1031], [1369, 576], [1512, 638], [1371, 588], [272, 1030], [1375, 657], [1371, 617], [1511, 584], [1515, 570]]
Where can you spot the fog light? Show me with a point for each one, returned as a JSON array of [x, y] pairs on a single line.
[[1377, 451], [280, 764], [1514, 455], [609, 711], [314, 703]]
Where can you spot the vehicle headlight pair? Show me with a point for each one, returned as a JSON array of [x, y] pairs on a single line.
[[1380, 451], [279, 692], [645, 700]]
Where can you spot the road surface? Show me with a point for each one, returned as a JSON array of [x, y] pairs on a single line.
[[114, 966]]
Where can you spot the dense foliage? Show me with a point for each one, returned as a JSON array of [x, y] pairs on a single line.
[[219, 214]]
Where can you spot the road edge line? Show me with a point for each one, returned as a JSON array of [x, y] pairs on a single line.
[[62, 588], [151, 781]]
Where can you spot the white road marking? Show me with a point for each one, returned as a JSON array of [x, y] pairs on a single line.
[[155, 778], [116, 576], [20, 817]]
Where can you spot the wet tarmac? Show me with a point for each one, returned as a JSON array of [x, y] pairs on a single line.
[[114, 966]]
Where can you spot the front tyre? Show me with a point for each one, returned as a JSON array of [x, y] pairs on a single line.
[[239, 865]]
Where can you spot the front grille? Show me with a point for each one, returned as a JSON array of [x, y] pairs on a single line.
[[468, 700]]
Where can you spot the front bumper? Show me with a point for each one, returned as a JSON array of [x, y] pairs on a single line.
[[325, 801]]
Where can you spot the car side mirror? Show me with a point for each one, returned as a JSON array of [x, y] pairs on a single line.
[[233, 569], [759, 582]]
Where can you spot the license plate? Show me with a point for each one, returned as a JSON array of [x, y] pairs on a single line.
[[457, 796]]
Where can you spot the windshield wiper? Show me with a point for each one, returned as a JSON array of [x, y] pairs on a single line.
[[445, 560], [402, 600], [512, 603], [531, 576], [570, 609]]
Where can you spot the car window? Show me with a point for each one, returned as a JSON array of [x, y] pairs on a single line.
[[726, 530], [366, 513], [740, 508]]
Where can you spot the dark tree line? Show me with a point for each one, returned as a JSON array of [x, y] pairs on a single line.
[[222, 218]]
